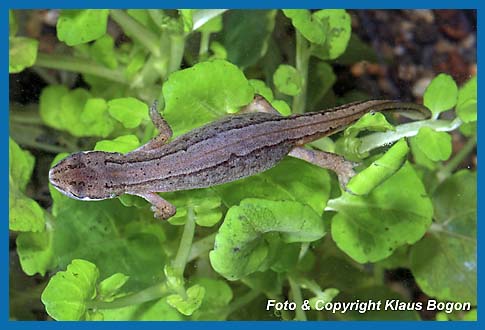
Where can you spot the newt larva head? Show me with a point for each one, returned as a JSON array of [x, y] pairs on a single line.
[[82, 176]]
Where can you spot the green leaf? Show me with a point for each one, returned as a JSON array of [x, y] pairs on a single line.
[[129, 111], [187, 306], [203, 93], [49, 105], [22, 53], [466, 105], [420, 157], [95, 115], [262, 89], [103, 51], [370, 121], [204, 203], [444, 263], [380, 170], [122, 144], [111, 236], [241, 248], [246, 35], [68, 292], [76, 27], [338, 33], [287, 80], [441, 94], [24, 213], [435, 145], [311, 26], [110, 286], [217, 296], [283, 182], [469, 129], [36, 252], [369, 228], [12, 23]]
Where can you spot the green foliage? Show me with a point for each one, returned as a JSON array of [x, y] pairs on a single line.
[[441, 94], [241, 247], [444, 263], [76, 27], [231, 247], [287, 80]]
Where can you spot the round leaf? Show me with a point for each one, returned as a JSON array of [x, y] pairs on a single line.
[[203, 93], [287, 80], [128, 110], [441, 94], [22, 53], [67, 292], [76, 27], [466, 105], [195, 295], [240, 248], [369, 228], [435, 145]]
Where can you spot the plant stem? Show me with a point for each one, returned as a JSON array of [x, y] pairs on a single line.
[[148, 294], [137, 31], [74, 64], [457, 159], [204, 44], [302, 59], [201, 247], [297, 297], [185, 243], [376, 140], [177, 45], [241, 301]]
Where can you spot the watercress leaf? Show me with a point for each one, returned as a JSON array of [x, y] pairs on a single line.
[[110, 286], [312, 27], [102, 50], [129, 111], [441, 94], [469, 129], [240, 247], [466, 105], [203, 93], [370, 121], [444, 263], [35, 252], [12, 23], [105, 237], [338, 30], [195, 295], [269, 282], [95, 116], [420, 157], [22, 53], [68, 292], [218, 51], [284, 182], [24, 213], [287, 80], [76, 27], [369, 228], [380, 170], [246, 35], [435, 145], [262, 89], [217, 296], [122, 144], [204, 205]]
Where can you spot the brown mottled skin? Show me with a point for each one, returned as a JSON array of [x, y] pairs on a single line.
[[231, 148]]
